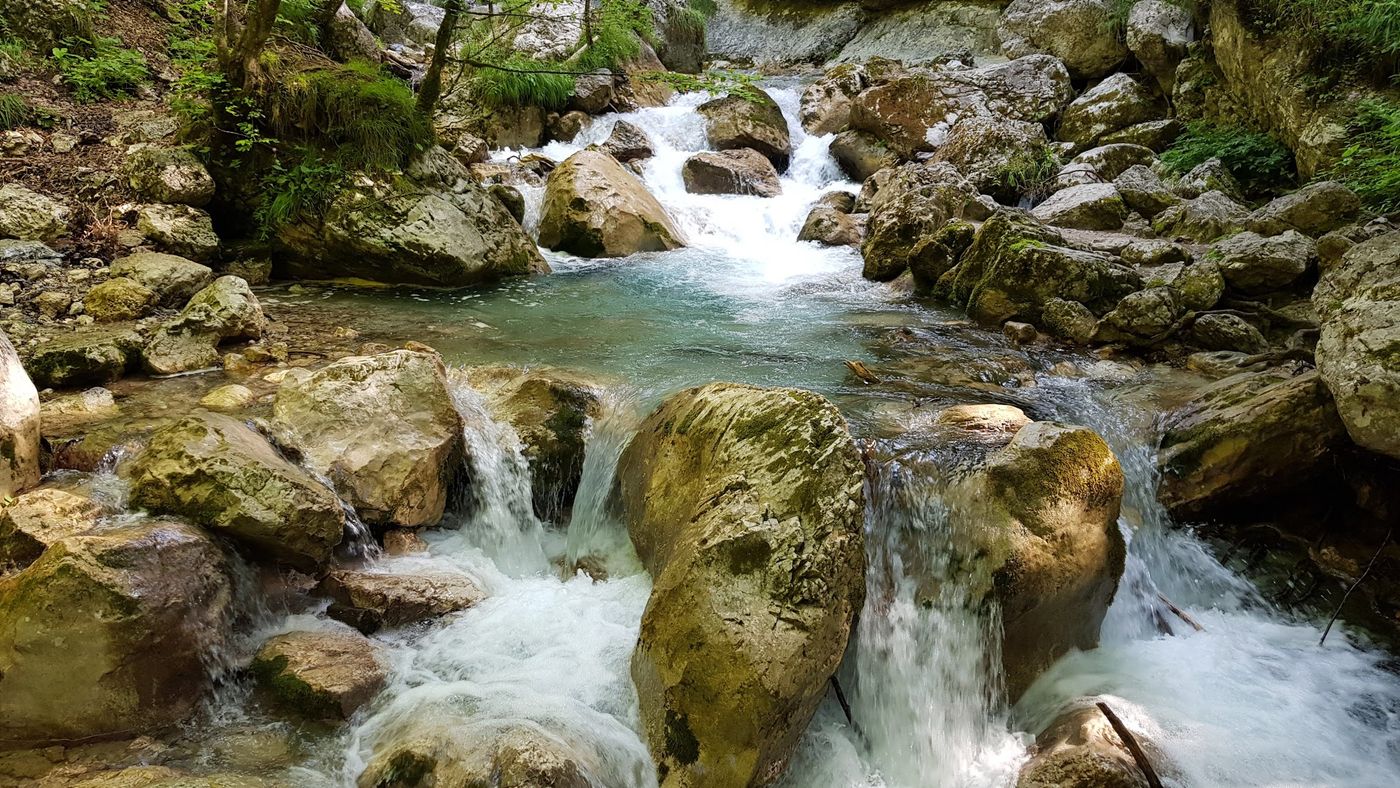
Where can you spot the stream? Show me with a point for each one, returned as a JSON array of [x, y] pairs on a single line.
[[1251, 700]]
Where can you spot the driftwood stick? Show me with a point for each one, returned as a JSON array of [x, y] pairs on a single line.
[[1181, 614], [1353, 586], [863, 372], [841, 699], [1131, 743]]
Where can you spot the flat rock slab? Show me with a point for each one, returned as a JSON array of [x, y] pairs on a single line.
[[370, 601]]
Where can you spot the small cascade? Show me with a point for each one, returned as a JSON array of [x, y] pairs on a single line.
[[594, 533]]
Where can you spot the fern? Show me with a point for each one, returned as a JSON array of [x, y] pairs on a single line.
[[1371, 164], [290, 193]]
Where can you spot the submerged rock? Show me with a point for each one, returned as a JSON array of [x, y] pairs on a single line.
[[448, 753], [320, 674], [1358, 352], [19, 425], [383, 429], [221, 474], [746, 506], [595, 208], [1244, 438], [111, 633], [738, 171], [371, 601], [751, 120]]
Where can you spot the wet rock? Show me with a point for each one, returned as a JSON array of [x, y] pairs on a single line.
[[746, 506], [752, 120], [111, 633], [383, 429], [511, 198], [1358, 304], [320, 675], [1142, 316], [1069, 320], [1157, 34], [861, 154], [595, 208], [19, 424], [169, 175], [179, 229], [1071, 30], [118, 298], [1314, 210], [39, 518], [30, 216], [173, 279], [401, 541], [550, 410], [1015, 265], [223, 475], [995, 154], [1227, 332], [829, 227], [592, 92], [1253, 264], [1245, 438], [826, 103], [564, 128], [1080, 749], [228, 399], [1092, 206], [1112, 105], [371, 601], [84, 358], [1144, 192], [738, 171], [906, 215], [440, 752], [226, 309], [1203, 219], [627, 142], [433, 227]]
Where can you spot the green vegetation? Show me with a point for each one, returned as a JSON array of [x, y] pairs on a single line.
[[1030, 173], [1371, 163], [100, 69], [14, 111], [518, 82], [1357, 37], [1258, 161], [1119, 10], [300, 190]]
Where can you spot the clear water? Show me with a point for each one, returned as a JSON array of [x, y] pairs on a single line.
[[1252, 700]]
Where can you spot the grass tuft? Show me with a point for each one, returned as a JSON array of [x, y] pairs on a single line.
[[14, 111]]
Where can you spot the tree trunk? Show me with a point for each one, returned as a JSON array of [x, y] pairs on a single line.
[[431, 88]]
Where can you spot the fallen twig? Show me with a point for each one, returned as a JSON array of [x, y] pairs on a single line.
[[862, 372], [1153, 781], [1181, 614], [1353, 586]]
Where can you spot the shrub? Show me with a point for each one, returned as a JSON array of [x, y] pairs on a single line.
[[99, 69], [305, 188], [1371, 164], [1258, 161], [14, 111]]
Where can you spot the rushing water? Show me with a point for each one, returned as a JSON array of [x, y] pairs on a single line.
[[1251, 700]]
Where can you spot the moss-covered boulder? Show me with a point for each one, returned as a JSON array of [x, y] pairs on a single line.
[[383, 429], [179, 229], [1088, 206], [320, 675], [19, 424], [861, 154], [550, 410], [1314, 210], [30, 216], [595, 208], [900, 112], [1246, 437], [172, 278], [1205, 218], [169, 175], [1112, 105], [748, 120], [1358, 352], [1016, 265], [430, 226], [111, 633], [746, 506], [1253, 264], [906, 215], [370, 601], [225, 310], [1075, 31], [91, 357], [220, 473], [995, 154], [38, 518], [117, 299], [440, 750]]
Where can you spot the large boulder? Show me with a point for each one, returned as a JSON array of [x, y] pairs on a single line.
[[89, 357], [320, 675], [169, 175], [30, 216], [828, 226], [1091, 206], [1246, 437], [1075, 31], [384, 430], [371, 601], [179, 229], [737, 171], [1158, 33], [1314, 210], [906, 215], [902, 111], [1204, 218], [173, 279], [223, 475], [1253, 264], [1016, 265], [225, 310], [826, 103], [746, 506], [1144, 191], [1358, 352], [1033, 89], [751, 119], [19, 425], [430, 226], [999, 156], [111, 633], [593, 207], [550, 410], [1141, 317], [118, 299], [861, 154], [1112, 105], [1080, 749], [39, 518]]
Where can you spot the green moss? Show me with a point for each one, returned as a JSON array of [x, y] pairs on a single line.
[[1354, 38]]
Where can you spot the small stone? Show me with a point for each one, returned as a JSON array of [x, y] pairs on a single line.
[[1020, 333], [52, 303], [233, 397]]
